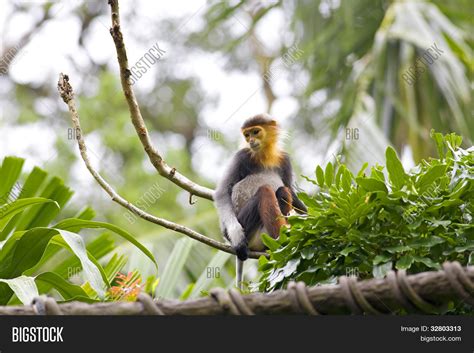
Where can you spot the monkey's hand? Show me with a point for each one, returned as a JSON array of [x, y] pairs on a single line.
[[238, 240]]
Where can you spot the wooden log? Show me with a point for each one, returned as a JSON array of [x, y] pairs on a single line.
[[433, 287]]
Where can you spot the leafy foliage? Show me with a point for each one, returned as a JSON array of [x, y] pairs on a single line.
[[368, 224], [30, 237]]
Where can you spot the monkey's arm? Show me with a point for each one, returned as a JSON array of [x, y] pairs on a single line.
[[286, 172], [230, 226]]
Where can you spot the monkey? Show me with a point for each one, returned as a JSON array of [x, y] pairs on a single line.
[[256, 192]]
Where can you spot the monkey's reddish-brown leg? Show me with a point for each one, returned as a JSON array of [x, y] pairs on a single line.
[[285, 200], [269, 211]]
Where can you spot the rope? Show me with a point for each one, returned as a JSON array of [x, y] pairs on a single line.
[[149, 306], [354, 297], [300, 299], [397, 288], [239, 302], [225, 301], [413, 297], [398, 294], [459, 281]]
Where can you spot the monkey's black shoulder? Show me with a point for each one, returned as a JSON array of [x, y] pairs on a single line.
[[245, 164]]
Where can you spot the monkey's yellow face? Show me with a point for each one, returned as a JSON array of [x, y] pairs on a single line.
[[255, 137]]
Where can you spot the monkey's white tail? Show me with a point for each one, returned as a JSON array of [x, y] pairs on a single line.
[[239, 271]]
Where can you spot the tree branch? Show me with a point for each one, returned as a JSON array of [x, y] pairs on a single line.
[[384, 295], [67, 94], [137, 119]]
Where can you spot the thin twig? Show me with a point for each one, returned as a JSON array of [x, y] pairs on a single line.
[[137, 119], [67, 94]]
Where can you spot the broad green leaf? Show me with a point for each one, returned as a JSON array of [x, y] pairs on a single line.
[[395, 169], [74, 223], [205, 280], [438, 138], [381, 259], [404, 262], [346, 180], [173, 267], [42, 215], [150, 284], [398, 248], [86, 213], [67, 290], [187, 292], [328, 174], [428, 178], [9, 174], [361, 171], [30, 189], [320, 176], [23, 250], [8, 211], [115, 264], [269, 242], [24, 287], [428, 262], [93, 272], [290, 267], [371, 184], [348, 250]]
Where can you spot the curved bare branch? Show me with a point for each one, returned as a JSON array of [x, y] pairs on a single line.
[[67, 94], [137, 119]]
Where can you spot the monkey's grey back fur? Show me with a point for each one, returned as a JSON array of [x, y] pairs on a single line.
[[246, 188]]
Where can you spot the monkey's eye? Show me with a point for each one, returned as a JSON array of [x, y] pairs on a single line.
[[246, 135], [255, 132]]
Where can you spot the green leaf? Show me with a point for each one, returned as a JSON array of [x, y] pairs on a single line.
[[9, 174], [328, 175], [23, 250], [8, 211], [360, 173], [67, 290], [398, 248], [404, 262], [290, 267], [32, 184], [427, 262], [380, 271], [92, 273], [429, 177], [381, 259], [269, 242], [306, 253], [42, 215], [396, 173], [187, 292], [348, 250], [346, 180], [173, 267], [115, 264], [24, 287], [371, 184], [205, 280], [320, 176], [438, 138], [74, 223]]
